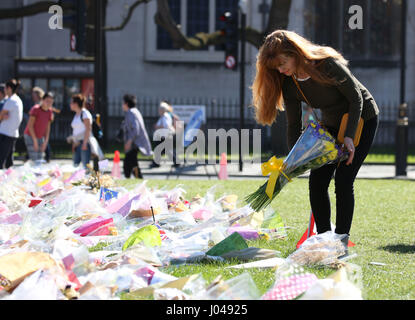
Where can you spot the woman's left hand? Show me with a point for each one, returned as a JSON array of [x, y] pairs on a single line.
[[84, 146], [127, 145], [349, 146]]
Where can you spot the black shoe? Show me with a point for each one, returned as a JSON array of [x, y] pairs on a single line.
[[154, 165], [345, 242]]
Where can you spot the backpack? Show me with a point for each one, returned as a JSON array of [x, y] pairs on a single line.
[[96, 128]]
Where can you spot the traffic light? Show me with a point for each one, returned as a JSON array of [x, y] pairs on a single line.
[[75, 20], [230, 31]]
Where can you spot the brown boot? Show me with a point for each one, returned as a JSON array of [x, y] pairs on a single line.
[[137, 173]]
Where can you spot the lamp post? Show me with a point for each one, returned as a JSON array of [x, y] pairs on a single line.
[[98, 57], [242, 8], [401, 151]]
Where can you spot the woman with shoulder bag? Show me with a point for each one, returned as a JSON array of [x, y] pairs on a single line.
[[81, 131], [135, 137], [291, 70]]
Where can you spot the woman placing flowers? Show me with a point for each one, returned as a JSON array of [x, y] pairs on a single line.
[[290, 69]]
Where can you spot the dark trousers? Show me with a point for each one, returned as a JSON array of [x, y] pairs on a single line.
[[344, 177], [130, 162], [6, 151], [48, 153]]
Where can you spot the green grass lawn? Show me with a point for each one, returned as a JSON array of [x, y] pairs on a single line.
[[383, 231]]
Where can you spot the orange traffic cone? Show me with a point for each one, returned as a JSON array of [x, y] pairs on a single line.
[[116, 171], [223, 169]]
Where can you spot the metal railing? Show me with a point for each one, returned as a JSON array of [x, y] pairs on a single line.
[[224, 113]]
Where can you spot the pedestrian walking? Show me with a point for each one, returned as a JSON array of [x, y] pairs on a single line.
[[36, 134], [165, 122], [135, 137], [10, 116], [83, 142]]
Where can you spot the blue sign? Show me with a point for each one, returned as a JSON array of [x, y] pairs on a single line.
[[194, 123]]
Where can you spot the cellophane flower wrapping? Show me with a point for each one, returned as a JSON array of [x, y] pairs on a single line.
[[314, 148]]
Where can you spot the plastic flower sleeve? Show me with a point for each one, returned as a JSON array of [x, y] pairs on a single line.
[[313, 149], [344, 284], [41, 285], [291, 280], [320, 249], [241, 287]]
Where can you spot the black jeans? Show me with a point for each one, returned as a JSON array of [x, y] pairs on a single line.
[[6, 151], [344, 177], [130, 161]]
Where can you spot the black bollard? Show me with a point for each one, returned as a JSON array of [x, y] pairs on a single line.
[[401, 142]]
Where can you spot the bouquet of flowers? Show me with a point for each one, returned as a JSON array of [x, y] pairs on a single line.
[[315, 148]]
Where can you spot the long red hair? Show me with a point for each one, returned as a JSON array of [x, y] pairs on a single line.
[[267, 86]]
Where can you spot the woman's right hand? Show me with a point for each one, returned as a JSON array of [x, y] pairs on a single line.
[[349, 146]]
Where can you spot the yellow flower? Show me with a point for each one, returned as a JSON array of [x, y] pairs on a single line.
[[333, 155], [329, 147]]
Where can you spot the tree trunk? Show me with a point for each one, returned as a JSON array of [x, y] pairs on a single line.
[[278, 19], [100, 77], [279, 135]]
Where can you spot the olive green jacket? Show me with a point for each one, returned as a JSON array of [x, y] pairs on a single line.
[[348, 96]]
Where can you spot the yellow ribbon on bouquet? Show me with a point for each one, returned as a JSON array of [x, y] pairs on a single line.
[[274, 167]]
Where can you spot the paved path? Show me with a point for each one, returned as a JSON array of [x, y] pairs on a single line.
[[250, 171]]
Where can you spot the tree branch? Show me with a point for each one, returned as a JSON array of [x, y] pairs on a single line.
[[254, 37], [164, 19], [31, 9], [128, 17]]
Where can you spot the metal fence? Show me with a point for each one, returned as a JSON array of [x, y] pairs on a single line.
[[224, 113], [388, 117]]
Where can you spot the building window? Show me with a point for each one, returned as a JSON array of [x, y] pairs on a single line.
[[56, 86], [72, 86], [197, 18], [41, 82], [377, 44], [193, 17], [163, 38], [25, 93]]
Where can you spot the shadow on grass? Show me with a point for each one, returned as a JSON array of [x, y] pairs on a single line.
[[400, 248]]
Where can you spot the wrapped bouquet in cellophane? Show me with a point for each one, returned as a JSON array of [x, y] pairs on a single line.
[[313, 149]]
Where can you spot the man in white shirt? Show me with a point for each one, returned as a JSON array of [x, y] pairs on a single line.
[[10, 116], [166, 122]]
